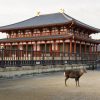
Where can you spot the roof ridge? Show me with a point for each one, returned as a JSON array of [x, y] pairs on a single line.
[[49, 14], [67, 16]]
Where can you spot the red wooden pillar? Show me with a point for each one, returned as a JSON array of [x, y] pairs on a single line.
[[74, 46], [32, 50], [75, 55], [36, 48], [45, 51], [4, 45], [94, 48], [96, 51], [70, 46], [22, 51], [63, 46], [18, 51], [50, 48], [18, 46], [54, 53], [32, 47], [54, 45], [50, 30], [59, 30], [85, 48], [80, 48], [26, 50], [4, 51], [10, 50], [45, 46], [90, 49]]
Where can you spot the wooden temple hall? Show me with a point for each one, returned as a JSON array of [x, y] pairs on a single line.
[[43, 35]]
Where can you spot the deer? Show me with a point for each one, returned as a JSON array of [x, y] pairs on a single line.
[[76, 74]]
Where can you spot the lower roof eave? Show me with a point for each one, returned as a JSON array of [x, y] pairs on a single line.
[[43, 38], [86, 40]]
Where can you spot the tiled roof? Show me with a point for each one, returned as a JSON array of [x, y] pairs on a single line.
[[47, 19]]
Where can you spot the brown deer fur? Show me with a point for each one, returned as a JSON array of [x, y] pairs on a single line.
[[76, 74]]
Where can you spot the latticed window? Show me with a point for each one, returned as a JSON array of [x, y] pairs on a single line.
[[86, 35], [21, 34], [14, 35], [36, 31], [45, 30], [77, 32], [82, 34], [18, 34], [63, 28], [54, 29], [71, 30], [27, 33]]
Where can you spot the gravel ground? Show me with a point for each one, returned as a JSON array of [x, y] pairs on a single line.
[[51, 87]]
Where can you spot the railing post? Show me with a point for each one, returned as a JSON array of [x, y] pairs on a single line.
[[53, 63], [32, 58], [69, 57], [75, 54], [43, 61], [18, 60], [62, 60], [2, 58]]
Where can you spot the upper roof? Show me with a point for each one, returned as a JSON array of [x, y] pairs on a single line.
[[47, 19]]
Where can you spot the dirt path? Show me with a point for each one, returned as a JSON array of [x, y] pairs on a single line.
[[51, 87]]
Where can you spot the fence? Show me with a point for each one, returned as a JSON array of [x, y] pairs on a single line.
[[20, 58]]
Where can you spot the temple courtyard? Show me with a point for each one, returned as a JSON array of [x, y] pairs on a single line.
[[50, 86]]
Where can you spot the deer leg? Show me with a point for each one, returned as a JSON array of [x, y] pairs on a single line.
[[66, 80], [76, 81]]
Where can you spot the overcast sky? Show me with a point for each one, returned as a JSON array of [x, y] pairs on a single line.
[[87, 11]]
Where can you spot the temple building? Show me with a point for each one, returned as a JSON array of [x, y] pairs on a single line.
[[56, 32]]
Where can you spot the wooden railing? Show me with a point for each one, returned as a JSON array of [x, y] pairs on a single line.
[[23, 58]]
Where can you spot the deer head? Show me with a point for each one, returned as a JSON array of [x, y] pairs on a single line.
[[83, 70]]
